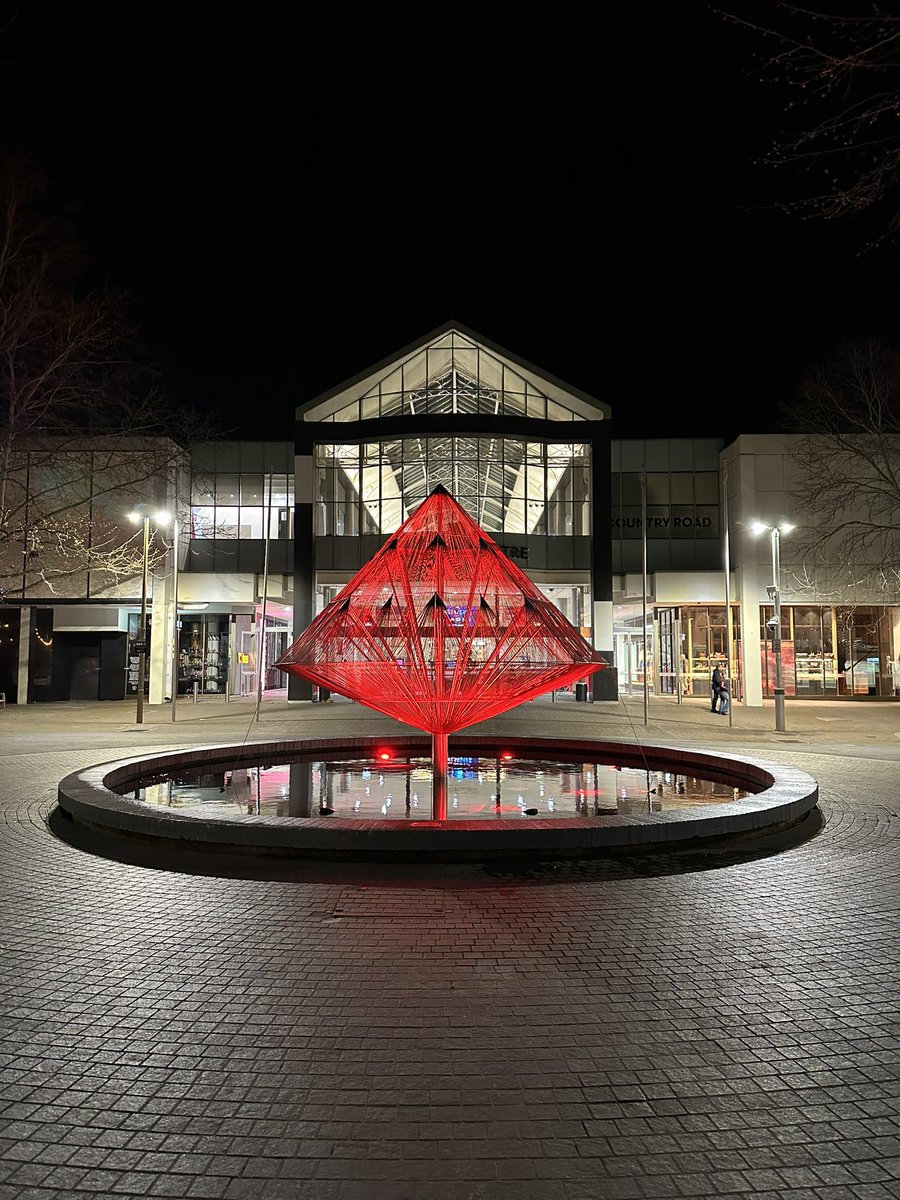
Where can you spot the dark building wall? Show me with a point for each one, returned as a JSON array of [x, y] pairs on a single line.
[[10, 624]]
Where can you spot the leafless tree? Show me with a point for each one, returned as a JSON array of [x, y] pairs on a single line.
[[841, 72], [84, 433], [848, 490]]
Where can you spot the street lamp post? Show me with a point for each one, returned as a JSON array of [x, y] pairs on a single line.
[[141, 514], [775, 532], [142, 629], [776, 632], [175, 616]]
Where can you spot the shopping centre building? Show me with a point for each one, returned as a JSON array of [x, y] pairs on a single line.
[[628, 538]]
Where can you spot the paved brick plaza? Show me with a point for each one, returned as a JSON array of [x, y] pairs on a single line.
[[718, 1024]]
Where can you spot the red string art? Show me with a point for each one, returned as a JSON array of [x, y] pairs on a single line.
[[440, 629]]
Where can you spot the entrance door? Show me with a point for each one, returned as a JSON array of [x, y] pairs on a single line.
[[276, 645], [248, 662], [85, 674], [630, 661], [669, 647]]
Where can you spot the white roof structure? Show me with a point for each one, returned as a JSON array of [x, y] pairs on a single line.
[[453, 369]]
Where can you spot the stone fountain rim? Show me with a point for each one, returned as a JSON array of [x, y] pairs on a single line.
[[785, 796]]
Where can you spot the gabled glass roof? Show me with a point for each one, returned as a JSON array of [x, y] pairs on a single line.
[[454, 370]]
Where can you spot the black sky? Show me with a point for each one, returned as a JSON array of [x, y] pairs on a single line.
[[290, 203]]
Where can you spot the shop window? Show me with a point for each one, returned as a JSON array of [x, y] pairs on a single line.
[[203, 654]]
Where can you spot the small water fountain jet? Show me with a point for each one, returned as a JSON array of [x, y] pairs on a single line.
[[441, 630]]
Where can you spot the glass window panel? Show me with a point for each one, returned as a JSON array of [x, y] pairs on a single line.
[[252, 491], [514, 402], [706, 521], [282, 524], [627, 521], [683, 522], [706, 487], [556, 412], [227, 489], [202, 489], [515, 517], [631, 487], [537, 405], [203, 521], [251, 523], [682, 484], [658, 521], [226, 522], [657, 487], [279, 490]]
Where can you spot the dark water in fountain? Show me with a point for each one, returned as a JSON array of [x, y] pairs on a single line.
[[478, 788]]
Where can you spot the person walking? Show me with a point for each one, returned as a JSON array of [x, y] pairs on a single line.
[[719, 695]]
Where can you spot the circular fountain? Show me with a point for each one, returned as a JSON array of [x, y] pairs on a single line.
[[439, 631], [722, 797]]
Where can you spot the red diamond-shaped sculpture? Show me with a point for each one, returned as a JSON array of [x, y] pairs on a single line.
[[440, 629]]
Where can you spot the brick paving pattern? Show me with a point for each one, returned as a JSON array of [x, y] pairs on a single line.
[[720, 1023]]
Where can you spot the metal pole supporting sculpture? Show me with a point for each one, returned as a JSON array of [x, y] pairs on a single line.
[[440, 630]]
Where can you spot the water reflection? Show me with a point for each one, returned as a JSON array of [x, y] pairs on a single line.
[[478, 788]]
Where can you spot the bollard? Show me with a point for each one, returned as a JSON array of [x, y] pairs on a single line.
[[196, 690]]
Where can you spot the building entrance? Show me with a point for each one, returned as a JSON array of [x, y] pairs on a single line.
[[630, 660]]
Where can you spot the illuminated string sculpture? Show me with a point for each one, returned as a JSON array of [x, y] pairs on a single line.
[[440, 630]]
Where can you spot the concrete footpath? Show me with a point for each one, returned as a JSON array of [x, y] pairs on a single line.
[[722, 1023], [822, 724]]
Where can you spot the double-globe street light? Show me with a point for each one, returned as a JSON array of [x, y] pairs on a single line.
[[144, 514], [775, 532]]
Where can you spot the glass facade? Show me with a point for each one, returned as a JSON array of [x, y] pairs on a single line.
[[509, 485], [684, 645], [455, 375], [831, 651], [203, 654], [233, 506]]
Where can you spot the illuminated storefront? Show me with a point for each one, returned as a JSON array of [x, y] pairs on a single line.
[[531, 459], [831, 652]]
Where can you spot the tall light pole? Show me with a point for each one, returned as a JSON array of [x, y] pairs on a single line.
[[175, 616], [775, 532], [141, 514]]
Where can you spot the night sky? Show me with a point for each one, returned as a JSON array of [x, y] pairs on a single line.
[[289, 203]]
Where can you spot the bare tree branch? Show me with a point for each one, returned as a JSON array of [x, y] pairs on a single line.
[[848, 483], [84, 431], [841, 73]]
